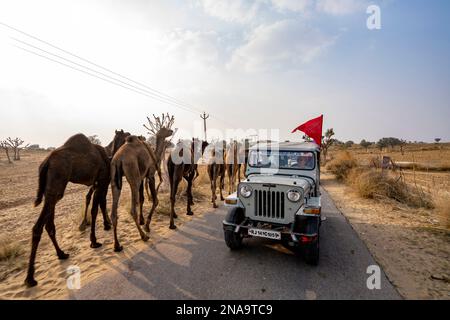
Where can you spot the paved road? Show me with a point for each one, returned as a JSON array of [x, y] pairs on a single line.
[[196, 264]]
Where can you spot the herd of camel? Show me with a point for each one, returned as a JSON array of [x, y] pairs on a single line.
[[80, 161]]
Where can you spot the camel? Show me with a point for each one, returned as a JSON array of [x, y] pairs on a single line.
[[110, 150], [78, 161], [232, 165], [137, 161], [160, 128], [236, 156], [216, 169], [186, 168]]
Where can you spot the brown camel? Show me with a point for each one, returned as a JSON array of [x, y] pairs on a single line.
[[78, 161], [160, 128], [216, 169], [232, 165], [137, 161], [184, 166], [110, 149]]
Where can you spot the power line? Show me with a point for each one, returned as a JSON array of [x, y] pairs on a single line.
[[148, 91], [96, 65], [101, 73], [93, 75]]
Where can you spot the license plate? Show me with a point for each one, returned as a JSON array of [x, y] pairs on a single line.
[[275, 235]]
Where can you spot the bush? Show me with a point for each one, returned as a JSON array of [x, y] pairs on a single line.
[[342, 164], [374, 184], [9, 250]]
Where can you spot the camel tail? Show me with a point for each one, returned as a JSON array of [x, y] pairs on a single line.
[[117, 174], [43, 169]]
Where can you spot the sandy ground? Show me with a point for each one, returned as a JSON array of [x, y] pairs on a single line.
[[410, 244], [17, 217]]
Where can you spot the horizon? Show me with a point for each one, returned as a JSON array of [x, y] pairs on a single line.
[[265, 64]]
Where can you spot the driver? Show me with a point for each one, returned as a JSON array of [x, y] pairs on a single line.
[[305, 161]]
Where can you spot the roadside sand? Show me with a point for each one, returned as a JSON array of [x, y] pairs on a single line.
[[410, 244], [17, 217]]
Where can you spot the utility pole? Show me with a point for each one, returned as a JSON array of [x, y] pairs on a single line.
[[204, 117]]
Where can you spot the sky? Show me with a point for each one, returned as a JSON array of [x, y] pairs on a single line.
[[252, 65]]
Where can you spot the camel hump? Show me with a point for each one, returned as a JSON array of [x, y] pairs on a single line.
[[133, 139], [78, 140]]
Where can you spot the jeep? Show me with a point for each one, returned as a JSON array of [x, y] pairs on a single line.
[[279, 198]]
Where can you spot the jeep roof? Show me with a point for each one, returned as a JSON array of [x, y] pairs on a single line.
[[303, 146]]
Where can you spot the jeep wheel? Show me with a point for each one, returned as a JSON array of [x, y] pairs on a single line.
[[233, 239], [312, 252]]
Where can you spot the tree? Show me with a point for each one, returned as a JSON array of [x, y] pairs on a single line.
[[327, 141], [437, 140], [389, 142], [349, 144], [95, 140], [5, 146], [365, 144], [15, 144]]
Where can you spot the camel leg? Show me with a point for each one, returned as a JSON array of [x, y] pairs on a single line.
[[173, 194], [114, 219], [134, 204], [48, 208], [192, 177], [51, 230], [189, 197], [106, 220], [141, 203], [229, 182], [213, 191], [151, 184], [85, 222], [222, 186], [94, 212]]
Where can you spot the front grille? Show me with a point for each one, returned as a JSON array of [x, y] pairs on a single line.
[[269, 204]]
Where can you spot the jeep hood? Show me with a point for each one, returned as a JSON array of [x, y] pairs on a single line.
[[302, 182]]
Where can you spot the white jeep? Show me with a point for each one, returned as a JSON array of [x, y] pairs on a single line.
[[279, 199]]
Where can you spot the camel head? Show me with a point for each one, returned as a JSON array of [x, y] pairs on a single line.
[[160, 126], [164, 133], [119, 139]]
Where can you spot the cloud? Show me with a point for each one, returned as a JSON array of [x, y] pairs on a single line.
[[340, 7], [191, 48], [292, 5], [240, 11], [280, 46]]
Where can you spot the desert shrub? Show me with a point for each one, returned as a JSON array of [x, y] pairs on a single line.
[[342, 164], [443, 211], [9, 249], [375, 184]]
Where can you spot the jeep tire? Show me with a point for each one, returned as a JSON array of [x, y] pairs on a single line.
[[311, 252], [233, 239]]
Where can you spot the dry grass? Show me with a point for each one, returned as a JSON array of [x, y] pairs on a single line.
[[373, 184], [342, 164], [10, 250], [443, 210]]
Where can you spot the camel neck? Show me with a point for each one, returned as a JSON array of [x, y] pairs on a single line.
[[159, 149]]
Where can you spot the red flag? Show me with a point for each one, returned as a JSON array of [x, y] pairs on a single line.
[[313, 129]]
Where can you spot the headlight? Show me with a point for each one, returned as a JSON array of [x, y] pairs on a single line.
[[294, 195], [245, 191]]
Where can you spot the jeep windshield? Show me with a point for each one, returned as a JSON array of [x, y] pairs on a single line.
[[277, 159]]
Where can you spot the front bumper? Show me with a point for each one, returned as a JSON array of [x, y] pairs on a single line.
[[290, 235]]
